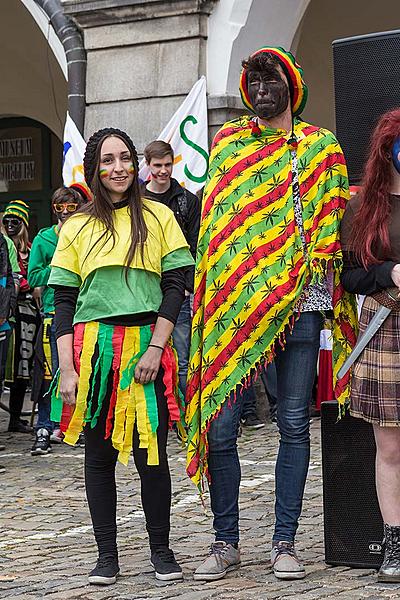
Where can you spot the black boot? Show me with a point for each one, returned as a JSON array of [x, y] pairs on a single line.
[[390, 569]]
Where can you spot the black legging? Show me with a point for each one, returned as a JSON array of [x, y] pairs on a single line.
[[100, 461]]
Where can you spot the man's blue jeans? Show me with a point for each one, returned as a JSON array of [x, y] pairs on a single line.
[[181, 339], [296, 368], [44, 404]]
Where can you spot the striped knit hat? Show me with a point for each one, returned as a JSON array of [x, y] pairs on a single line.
[[83, 190], [18, 208], [294, 74]]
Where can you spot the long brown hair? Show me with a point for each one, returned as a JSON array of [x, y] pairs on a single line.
[[370, 227], [21, 240], [102, 206]]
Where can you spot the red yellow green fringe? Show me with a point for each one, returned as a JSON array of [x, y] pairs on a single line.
[[99, 351]]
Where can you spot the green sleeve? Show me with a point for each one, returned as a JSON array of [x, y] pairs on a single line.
[[60, 276], [39, 265], [177, 258], [12, 254]]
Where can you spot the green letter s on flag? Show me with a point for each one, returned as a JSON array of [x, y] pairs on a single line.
[[196, 148]]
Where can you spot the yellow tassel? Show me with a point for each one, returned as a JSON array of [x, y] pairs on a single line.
[[89, 342], [141, 415], [152, 451], [47, 348], [129, 349]]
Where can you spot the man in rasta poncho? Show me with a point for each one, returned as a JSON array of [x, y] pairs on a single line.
[[267, 276]]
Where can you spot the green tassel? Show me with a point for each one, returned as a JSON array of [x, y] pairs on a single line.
[[149, 389], [105, 369], [56, 402]]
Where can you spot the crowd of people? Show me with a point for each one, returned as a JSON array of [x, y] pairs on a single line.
[[208, 298]]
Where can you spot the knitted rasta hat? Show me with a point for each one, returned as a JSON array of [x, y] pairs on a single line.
[[89, 159], [83, 191], [294, 74], [17, 208]]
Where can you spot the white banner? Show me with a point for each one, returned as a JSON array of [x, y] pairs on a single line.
[[74, 149], [187, 132]]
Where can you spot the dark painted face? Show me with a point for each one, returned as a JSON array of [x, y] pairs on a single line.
[[12, 225], [268, 92]]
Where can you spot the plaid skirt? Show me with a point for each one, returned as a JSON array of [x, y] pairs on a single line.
[[375, 384]]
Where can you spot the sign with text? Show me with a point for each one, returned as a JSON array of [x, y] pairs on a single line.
[[20, 159]]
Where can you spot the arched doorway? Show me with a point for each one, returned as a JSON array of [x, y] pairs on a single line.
[[33, 105]]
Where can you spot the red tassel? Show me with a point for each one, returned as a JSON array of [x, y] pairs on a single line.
[[169, 366], [117, 342]]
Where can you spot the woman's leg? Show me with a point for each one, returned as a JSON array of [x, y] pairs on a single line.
[[101, 492], [388, 472], [388, 490], [156, 480]]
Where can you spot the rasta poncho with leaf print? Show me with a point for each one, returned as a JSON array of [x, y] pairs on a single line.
[[251, 268]]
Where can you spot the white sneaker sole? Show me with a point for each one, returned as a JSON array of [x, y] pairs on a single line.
[[289, 574], [215, 576], [40, 452], [178, 576], [98, 580]]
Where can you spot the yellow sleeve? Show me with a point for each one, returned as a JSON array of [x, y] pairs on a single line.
[[66, 255], [172, 237]]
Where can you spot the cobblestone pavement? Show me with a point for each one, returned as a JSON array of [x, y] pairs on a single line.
[[47, 549]]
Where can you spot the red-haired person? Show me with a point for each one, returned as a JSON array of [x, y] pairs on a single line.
[[370, 236]]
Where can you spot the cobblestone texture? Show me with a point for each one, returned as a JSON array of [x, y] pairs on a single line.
[[47, 548]]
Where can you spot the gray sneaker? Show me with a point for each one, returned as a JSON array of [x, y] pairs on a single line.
[[285, 561], [223, 558]]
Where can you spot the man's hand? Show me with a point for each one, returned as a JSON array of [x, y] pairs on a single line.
[[148, 365], [68, 386]]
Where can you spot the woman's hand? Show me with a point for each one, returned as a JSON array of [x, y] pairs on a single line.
[[148, 365], [396, 275], [68, 386]]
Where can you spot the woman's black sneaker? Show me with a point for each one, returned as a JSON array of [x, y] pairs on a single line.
[[163, 562], [105, 571]]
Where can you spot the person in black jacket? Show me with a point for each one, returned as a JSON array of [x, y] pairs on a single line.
[[186, 207]]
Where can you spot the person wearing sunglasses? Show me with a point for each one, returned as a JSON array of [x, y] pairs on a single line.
[[24, 328], [65, 202]]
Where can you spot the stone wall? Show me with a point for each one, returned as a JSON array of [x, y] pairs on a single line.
[[143, 58]]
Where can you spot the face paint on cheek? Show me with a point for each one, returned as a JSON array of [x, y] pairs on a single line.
[[395, 154], [103, 173], [131, 169]]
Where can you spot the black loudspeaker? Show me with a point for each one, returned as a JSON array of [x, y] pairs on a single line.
[[353, 525], [366, 76]]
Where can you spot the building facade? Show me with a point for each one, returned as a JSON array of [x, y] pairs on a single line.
[[140, 58]]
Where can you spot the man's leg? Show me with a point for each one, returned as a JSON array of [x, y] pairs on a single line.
[[181, 339], [224, 468], [249, 416], [269, 380], [296, 366]]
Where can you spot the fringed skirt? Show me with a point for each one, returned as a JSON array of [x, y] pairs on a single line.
[[101, 352], [375, 384]]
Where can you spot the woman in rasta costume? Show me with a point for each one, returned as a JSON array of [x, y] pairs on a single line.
[[119, 279], [252, 270]]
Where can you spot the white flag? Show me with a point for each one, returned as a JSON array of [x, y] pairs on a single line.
[[187, 132], [74, 149]]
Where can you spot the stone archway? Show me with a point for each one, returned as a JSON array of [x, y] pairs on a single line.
[[33, 68], [33, 105]]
